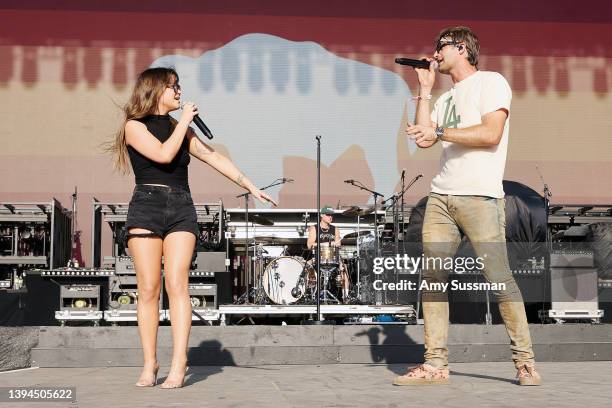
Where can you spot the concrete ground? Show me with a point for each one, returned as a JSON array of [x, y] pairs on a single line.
[[584, 384]]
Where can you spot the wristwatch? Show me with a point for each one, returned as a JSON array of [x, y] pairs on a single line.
[[439, 132]]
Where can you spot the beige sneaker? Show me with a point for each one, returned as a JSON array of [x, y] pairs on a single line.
[[423, 374], [527, 375]]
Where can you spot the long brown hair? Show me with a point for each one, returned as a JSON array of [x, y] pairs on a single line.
[[150, 85]]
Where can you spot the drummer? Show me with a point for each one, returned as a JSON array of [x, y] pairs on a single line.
[[327, 232], [330, 235]]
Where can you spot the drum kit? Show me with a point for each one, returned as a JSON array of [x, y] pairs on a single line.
[[284, 279]]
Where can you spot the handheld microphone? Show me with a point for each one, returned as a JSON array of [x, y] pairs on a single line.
[[201, 125], [413, 62]]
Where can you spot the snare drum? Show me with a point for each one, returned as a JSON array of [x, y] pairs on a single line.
[[330, 255]]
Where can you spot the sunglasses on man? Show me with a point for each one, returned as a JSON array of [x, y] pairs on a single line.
[[441, 44]]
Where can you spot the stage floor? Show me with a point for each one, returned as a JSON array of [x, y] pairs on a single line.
[[356, 385]]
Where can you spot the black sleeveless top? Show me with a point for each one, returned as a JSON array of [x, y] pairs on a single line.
[[326, 235], [147, 171]]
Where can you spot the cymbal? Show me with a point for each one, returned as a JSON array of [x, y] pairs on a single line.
[[260, 220], [349, 241], [279, 240], [352, 210], [254, 218], [355, 211], [356, 234]]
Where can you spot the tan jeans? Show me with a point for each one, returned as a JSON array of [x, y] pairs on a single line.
[[483, 221]]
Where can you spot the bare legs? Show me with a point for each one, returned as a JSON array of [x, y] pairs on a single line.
[[147, 254], [177, 249]]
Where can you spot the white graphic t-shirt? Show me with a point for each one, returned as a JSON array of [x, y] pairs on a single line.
[[466, 170]]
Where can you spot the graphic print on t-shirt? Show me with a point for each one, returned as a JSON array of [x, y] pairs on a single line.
[[451, 119], [327, 234]]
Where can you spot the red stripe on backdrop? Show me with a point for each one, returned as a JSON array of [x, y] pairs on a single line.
[[517, 10], [93, 66], [525, 73], [6, 64], [69, 73], [392, 35]]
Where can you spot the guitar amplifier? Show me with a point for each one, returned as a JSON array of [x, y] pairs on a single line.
[[124, 265], [204, 302], [80, 297], [123, 293], [79, 302], [203, 295]]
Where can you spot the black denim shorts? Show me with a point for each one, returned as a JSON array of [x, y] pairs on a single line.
[[161, 210]]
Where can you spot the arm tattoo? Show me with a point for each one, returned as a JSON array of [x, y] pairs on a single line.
[[239, 179]]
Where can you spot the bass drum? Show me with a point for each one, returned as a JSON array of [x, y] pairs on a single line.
[[281, 276]]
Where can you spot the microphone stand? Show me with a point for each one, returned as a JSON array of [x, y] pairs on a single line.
[[319, 320], [376, 243], [376, 195], [247, 265], [403, 215], [394, 198], [549, 244], [400, 194], [547, 195]]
